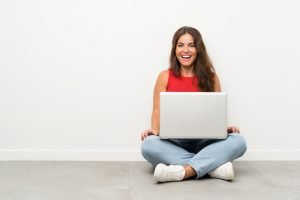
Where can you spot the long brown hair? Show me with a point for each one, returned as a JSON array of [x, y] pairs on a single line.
[[203, 67]]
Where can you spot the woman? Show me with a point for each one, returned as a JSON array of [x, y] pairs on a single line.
[[174, 160]]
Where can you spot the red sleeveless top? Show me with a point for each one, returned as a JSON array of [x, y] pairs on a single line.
[[182, 84]]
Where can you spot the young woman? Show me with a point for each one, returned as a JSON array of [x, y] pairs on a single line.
[[177, 159]]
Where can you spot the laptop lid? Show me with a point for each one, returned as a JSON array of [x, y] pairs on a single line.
[[194, 115]]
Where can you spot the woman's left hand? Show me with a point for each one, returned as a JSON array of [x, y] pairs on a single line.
[[233, 129]]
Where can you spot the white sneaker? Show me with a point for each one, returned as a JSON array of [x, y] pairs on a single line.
[[164, 173], [224, 172]]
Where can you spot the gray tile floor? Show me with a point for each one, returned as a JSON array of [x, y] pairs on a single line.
[[133, 181]]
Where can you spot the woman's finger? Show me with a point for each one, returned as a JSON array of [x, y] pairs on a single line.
[[143, 135]]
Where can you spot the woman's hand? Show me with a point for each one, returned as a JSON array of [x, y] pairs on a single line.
[[233, 129], [148, 132]]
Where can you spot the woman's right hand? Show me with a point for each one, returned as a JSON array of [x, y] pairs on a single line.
[[148, 132]]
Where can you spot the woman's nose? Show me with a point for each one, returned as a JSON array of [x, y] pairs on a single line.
[[185, 49]]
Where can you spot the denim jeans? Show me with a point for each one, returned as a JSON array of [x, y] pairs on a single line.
[[203, 155]]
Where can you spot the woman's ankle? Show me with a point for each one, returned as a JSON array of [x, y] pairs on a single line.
[[189, 172]]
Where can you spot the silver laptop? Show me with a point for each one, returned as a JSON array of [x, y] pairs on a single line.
[[194, 115]]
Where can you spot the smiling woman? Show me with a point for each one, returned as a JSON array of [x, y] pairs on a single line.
[[189, 57], [177, 159]]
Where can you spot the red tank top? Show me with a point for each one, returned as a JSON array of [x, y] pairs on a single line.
[[182, 84]]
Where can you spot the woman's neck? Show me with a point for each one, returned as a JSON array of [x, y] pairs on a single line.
[[187, 71]]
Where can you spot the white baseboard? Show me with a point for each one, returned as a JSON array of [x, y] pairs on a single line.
[[126, 155], [71, 155], [271, 155]]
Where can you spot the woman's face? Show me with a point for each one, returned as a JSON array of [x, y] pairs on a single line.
[[185, 51]]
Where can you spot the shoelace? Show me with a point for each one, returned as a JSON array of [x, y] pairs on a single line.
[[219, 171], [174, 170]]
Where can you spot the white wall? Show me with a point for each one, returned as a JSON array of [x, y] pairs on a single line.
[[76, 77]]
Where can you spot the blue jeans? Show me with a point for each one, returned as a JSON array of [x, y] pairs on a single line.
[[203, 155]]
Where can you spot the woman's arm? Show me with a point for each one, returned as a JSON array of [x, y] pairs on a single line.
[[230, 129], [160, 86], [217, 86]]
